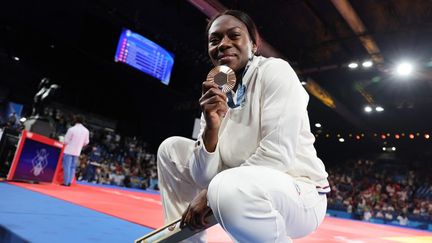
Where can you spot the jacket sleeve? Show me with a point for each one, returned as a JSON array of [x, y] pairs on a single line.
[[282, 107], [68, 136], [87, 139], [203, 164]]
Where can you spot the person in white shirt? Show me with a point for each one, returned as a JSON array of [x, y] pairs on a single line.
[[75, 139], [254, 165]]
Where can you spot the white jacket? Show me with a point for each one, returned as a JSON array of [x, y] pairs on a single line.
[[270, 128]]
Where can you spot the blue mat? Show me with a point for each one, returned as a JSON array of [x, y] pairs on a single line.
[[27, 216]]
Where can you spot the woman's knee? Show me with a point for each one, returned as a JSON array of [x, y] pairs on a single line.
[[227, 194], [174, 152], [166, 146]]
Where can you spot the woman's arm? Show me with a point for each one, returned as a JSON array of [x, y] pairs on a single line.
[[205, 162]]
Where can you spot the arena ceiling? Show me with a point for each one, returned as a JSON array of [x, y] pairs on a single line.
[[74, 45]]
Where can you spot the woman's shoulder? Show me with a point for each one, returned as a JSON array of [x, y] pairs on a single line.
[[266, 62], [275, 66]]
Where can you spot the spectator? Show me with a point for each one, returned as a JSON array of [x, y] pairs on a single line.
[[75, 139]]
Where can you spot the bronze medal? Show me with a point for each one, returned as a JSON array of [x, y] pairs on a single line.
[[223, 76]]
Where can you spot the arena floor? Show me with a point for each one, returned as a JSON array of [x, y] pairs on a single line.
[[89, 213]]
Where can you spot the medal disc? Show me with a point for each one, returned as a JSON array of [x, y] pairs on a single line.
[[223, 76]]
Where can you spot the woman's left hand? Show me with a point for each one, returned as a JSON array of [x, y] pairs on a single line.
[[195, 215]]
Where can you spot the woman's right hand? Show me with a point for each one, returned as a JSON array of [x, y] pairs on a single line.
[[214, 106], [196, 213]]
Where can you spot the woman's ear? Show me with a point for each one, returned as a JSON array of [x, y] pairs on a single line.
[[254, 48]]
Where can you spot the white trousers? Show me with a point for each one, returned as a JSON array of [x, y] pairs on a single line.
[[252, 203]]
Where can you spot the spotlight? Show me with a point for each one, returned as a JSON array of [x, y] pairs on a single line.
[[16, 58], [368, 109], [379, 109], [341, 140], [353, 65], [318, 125], [393, 148], [404, 69], [427, 136], [23, 119], [367, 64], [303, 83]]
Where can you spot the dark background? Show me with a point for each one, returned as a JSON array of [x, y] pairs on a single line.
[[74, 43]]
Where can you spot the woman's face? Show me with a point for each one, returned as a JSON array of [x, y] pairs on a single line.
[[229, 42]]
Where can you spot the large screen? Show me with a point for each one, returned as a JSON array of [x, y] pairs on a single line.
[[144, 55]]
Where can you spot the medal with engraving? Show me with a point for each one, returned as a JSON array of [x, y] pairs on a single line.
[[223, 76]]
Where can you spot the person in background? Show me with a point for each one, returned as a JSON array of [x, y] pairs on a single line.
[[94, 161], [12, 120], [75, 139]]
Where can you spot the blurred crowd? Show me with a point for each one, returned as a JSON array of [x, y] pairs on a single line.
[[113, 160], [385, 190]]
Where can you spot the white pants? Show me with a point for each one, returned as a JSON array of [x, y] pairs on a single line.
[[252, 203]]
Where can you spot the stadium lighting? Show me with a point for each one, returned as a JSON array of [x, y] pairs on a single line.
[[368, 109], [353, 65], [404, 69], [367, 64]]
